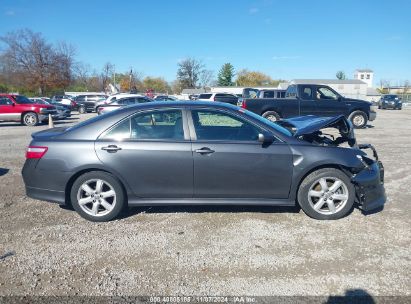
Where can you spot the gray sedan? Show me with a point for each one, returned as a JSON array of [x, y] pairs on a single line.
[[202, 153]]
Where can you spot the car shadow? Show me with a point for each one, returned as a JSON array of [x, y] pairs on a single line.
[[65, 121], [133, 210], [4, 171], [12, 124], [369, 127], [352, 296], [371, 212]]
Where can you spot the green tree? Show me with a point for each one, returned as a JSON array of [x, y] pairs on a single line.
[[226, 75], [157, 84], [340, 75]]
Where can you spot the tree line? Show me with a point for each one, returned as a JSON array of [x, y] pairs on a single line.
[[31, 65]]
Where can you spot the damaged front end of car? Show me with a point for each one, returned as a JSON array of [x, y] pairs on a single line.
[[367, 176]]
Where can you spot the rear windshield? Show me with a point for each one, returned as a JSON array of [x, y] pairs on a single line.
[[22, 99], [204, 96], [391, 97]]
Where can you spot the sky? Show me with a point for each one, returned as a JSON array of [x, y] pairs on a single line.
[[284, 39]]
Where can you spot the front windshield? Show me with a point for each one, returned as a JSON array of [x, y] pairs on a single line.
[[267, 122], [20, 99]]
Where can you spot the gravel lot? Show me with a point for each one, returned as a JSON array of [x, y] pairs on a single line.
[[207, 250]]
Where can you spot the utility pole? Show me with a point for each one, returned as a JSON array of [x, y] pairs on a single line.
[[131, 75]]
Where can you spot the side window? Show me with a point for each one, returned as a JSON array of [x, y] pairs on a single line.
[[325, 93], [119, 132], [291, 92], [306, 93], [124, 101], [141, 100], [215, 125], [158, 125], [4, 101], [268, 94]]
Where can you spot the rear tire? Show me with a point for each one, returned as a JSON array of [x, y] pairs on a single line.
[[271, 116], [326, 194], [97, 196], [359, 119], [30, 119], [82, 109]]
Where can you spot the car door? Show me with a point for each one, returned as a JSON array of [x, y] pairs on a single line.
[[328, 102], [151, 151], [8, 109], [307, 103], [230, 162]]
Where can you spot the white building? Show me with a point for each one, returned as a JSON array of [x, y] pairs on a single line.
[[365, 75]]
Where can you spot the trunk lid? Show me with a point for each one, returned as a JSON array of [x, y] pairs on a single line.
[[48, 133]]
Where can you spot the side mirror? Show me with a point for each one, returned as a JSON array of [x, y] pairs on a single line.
[[265, 138]]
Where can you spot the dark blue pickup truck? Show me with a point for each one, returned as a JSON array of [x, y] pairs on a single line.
[[311, 99]]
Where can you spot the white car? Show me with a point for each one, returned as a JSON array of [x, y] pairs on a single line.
[[221, 97], [114, 97]]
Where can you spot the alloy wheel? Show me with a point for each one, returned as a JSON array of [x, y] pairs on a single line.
[[271, 118], [358, 120], [328, 195], [96, 197], [30, 119]]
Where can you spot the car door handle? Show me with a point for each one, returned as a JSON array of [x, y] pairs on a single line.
[[111, 148], [204, 150]]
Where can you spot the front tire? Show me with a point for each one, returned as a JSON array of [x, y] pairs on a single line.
[[97, 196], [82, 109], [359, 119], [30, 119], [326, 194], [271, 116]]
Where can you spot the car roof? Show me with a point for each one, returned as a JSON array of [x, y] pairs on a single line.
[[184, 103]]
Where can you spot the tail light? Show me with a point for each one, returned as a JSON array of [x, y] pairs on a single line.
[[73, 103], [36, 152], [243, 104], [100, 109]]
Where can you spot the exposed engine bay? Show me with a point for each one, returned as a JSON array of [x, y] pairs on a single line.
[[312, 129]]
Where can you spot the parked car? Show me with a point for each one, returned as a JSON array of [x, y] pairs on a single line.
[[121, 102], [309, 99], [88, 103], [222, 97], [114, 97], [165, 98], [21, 109], [63, 99], [199, 153], [63, 111], [390, 101]]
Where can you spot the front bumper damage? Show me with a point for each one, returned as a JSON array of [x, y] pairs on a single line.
[[369, 184]]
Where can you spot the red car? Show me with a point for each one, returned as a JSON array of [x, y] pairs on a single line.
[[21, 109]]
